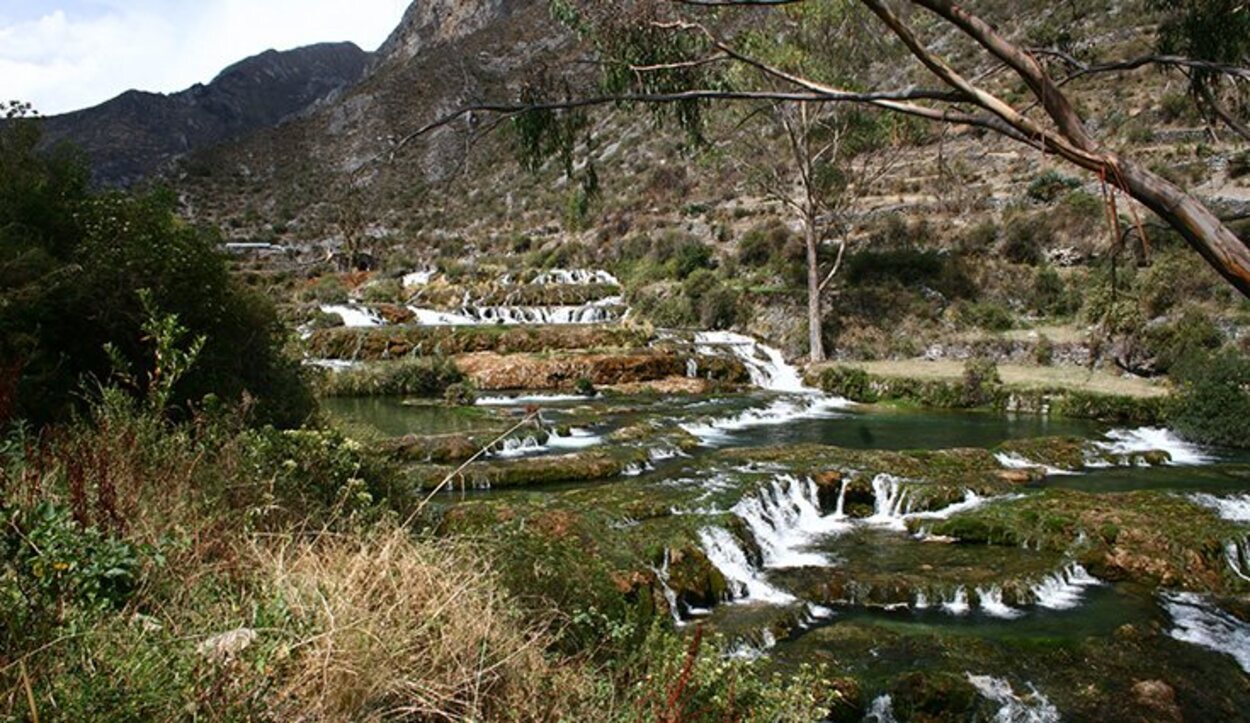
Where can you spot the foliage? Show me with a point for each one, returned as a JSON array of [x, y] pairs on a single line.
[[1050, 185], [460, 394], [71, 261], [980, 382], [417, 376], [1213, 406], [912, 268], [1171, 343], [988, 315]]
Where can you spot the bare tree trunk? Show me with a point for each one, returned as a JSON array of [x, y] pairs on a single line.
[[1224, 114], [815, 316]]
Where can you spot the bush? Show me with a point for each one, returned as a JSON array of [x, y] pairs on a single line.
[[384, 291], [71, 264], [980, 382], [988, 315], [1024, 238], [327, 290], [691, 256], [421, 377], [1050, 185], [1044, 352], [460, 394], [1193, 333], [1213, 406], [1050, 295], [585, 387], [761, 244]]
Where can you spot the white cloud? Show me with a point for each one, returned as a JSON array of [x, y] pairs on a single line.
[[83, 52]]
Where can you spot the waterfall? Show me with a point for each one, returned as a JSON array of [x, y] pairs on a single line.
[[840, 512], [1011, 460], [574, 277], [922, 600], [1148, 439], [670, 595], [958, 604], [766, 365], [1235, 508], [745, 579], [991, 603], [577, 438], [524, 400], [1201, 623], [692, 368], [519, 447], [354, 316], [418, 278], [1031, 708], [785, 516], [881, 710], [1238, 555], [781, 411], [890, 499], [1063, 590]]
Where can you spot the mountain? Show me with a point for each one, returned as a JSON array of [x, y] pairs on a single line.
[[134, 134]]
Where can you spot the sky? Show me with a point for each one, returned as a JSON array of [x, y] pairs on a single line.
[[63, 55]]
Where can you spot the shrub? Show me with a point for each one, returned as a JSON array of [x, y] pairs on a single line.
[[719, 308], [1050, 185], [988, 315], [1024, 238], [421, 376], [1050, 295], [980, 382], [460, 394], [1213, 406], [384, 291], [761, 244], [850, 382], [71, 264], [1044, 352], [327, 290], [692, 255], [1193, 333], [585, 387]]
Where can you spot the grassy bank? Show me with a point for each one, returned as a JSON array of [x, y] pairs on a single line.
[[1065, 391]]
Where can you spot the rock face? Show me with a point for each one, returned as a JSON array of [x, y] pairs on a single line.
[[430, 23], [132, 135]]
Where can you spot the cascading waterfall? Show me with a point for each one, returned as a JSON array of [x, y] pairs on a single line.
[[785, 516], [573, 277], [881, 710], [840, 511], [958, 604], [746, 580], [890, 505], [769, 371], [1011, 460], [1201, 623], [1235, 508], [670, 595], [357, 317], [1064, 589], [519, 447], [1148, 439], [1237, 552], [990, 600], [1032, 707]]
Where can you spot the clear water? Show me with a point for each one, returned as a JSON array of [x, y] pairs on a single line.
[[1107, 639]]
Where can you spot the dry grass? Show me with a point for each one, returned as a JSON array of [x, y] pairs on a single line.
[[398, 628]]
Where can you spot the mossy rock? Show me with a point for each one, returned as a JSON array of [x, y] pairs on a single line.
[[1150, 537]]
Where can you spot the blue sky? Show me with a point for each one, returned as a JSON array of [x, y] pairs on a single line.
[[68, 54]]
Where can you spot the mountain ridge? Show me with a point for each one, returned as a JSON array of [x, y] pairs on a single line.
[[130, 137]]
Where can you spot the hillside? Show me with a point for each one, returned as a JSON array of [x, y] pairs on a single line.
[[131, 136]]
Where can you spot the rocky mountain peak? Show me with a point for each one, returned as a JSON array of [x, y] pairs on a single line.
[[430, 23]]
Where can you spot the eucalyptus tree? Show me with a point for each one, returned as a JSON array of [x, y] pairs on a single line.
[[830, 153], [673, 54], [1214, 36]]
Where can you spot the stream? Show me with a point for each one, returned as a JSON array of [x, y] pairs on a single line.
[[848, 574]]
